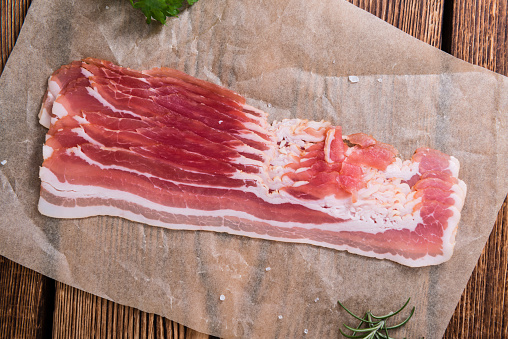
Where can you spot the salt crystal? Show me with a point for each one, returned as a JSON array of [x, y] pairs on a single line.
[[220, 122], [280, 317], [305, 331], [269, 105], [3, 162], [316, 300], [107, 7], [268, 268], [222, 297], [380, 80], [353, 78]]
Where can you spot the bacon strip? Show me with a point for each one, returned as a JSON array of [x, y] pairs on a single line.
[[166, 149]]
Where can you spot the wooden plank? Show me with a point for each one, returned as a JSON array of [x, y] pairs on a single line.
[[12, 15], [479, 36], [78, 314], [25, 302], [421, 19]]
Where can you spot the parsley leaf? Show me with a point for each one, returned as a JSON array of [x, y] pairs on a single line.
[[160, 9]]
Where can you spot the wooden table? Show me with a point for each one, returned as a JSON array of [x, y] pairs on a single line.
[[34, 306]]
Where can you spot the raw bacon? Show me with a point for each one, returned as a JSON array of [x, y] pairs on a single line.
[[163, 148]]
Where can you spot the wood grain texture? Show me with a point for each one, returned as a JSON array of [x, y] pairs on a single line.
[[421, 19], [12, 15], [479, 36], [82, 315], [25, 302], [480, 29]]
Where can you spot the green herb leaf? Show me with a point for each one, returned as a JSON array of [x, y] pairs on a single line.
[[373, 327], [160, 9], [391, 314]]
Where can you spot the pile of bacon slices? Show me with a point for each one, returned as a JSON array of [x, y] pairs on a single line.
[[163, 148]]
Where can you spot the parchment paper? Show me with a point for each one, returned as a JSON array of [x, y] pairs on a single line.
[[292, 59]]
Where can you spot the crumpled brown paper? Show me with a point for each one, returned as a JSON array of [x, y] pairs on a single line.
[[291, 59]]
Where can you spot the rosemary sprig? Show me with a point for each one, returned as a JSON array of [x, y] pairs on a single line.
[[372, 326]]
